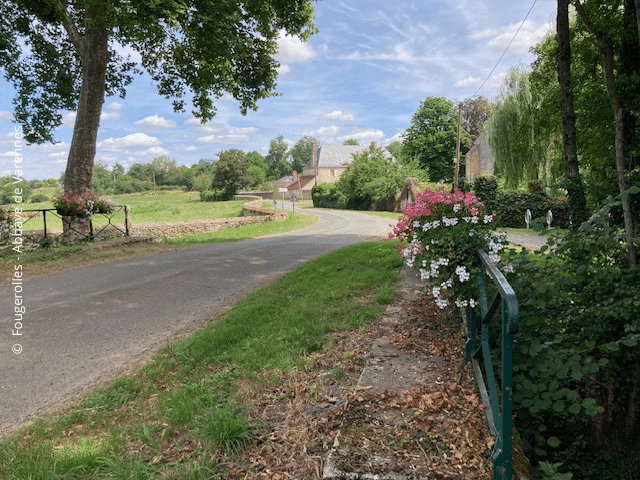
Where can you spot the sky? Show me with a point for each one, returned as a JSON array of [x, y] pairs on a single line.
[[362, 77]]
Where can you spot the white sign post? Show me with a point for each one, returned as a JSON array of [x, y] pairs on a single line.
[[549, 219], [527, 218], [294, 199], [283, 191]]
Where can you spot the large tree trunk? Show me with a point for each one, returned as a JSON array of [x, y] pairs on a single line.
[[575, 186], [637, 3], [93, 51], [606, 46]]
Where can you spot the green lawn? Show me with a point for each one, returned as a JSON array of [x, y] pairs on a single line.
[[149, 207]]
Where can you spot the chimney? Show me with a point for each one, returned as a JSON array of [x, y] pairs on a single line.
[[295, 176]]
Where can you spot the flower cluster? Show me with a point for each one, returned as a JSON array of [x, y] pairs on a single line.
[[439, 235], [84, 205], [6, 222]]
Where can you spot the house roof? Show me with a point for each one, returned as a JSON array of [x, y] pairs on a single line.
[[336, 156], [303, 182]]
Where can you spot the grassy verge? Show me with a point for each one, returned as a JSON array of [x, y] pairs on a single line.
[[293, 222], [185, 414]]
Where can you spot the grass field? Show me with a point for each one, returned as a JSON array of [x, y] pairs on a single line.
[[150, 207], [194, 397]]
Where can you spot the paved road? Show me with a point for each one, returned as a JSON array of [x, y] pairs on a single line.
[[531, 241], [84, 326]]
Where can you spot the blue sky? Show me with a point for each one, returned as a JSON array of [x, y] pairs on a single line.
[[362, 76]]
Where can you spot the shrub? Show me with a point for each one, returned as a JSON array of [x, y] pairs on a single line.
[[512, 206], [39, 197], [486, 189], [210, 195], [327, 195]]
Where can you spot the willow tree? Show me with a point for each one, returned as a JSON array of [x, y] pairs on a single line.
[[513, 131], [67, 54]]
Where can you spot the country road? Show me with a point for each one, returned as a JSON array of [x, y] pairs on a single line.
[[82, 327]]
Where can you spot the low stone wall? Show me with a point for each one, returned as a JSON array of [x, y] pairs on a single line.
[[179, 229], [253, 213]]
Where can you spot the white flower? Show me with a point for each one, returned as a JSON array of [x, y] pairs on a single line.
[[457, 207], [442, 303], [416, 224], [436, 292], [424, 274], [450, 222], [472, 303], [462, 273], [488, 219], [508, 269], [466, 219], [474, 219]]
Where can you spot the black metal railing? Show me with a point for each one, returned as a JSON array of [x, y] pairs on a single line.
[[71, 225], [498, 401]]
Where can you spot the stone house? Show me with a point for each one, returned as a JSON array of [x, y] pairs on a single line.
[[479, 160], [326, 165]]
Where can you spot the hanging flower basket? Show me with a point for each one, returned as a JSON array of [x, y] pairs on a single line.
[[69, 204]]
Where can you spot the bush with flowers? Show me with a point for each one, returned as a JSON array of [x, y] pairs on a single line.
[[6, 222], [85, 205], [440, 234]]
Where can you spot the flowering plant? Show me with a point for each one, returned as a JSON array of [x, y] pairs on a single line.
[[440, 234], [6, 222], [84, 205]]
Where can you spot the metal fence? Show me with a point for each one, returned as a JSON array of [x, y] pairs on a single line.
[[56, 228], [498, 400]]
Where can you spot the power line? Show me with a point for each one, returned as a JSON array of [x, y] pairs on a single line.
[[506, 49]]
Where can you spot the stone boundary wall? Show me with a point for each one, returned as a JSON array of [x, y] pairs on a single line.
[[252, 211]]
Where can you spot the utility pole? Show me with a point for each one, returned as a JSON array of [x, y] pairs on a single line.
[[455, 178]]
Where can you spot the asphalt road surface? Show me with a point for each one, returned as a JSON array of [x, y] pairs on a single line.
[[84, 326]]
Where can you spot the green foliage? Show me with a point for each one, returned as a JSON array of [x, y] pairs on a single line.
[[301, 153], [575, 349], [175, 42], [278, 166], [518, 145], [8, 192], [512, 206], [230, 173], [371, 180], [327, 195], [432, 138], [486, 188]]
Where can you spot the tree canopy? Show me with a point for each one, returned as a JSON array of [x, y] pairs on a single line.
[[67, 54], [432, 137]]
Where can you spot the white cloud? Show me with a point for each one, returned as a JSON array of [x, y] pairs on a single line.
[[365, 136], [69, 120], [129, 141], [113, 111], [326, 131], [292, 49], [5, 116], [187, 148], [339, 116], [155, 151], [498, 39], [233, 136], [155, 122], [469, 81]]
